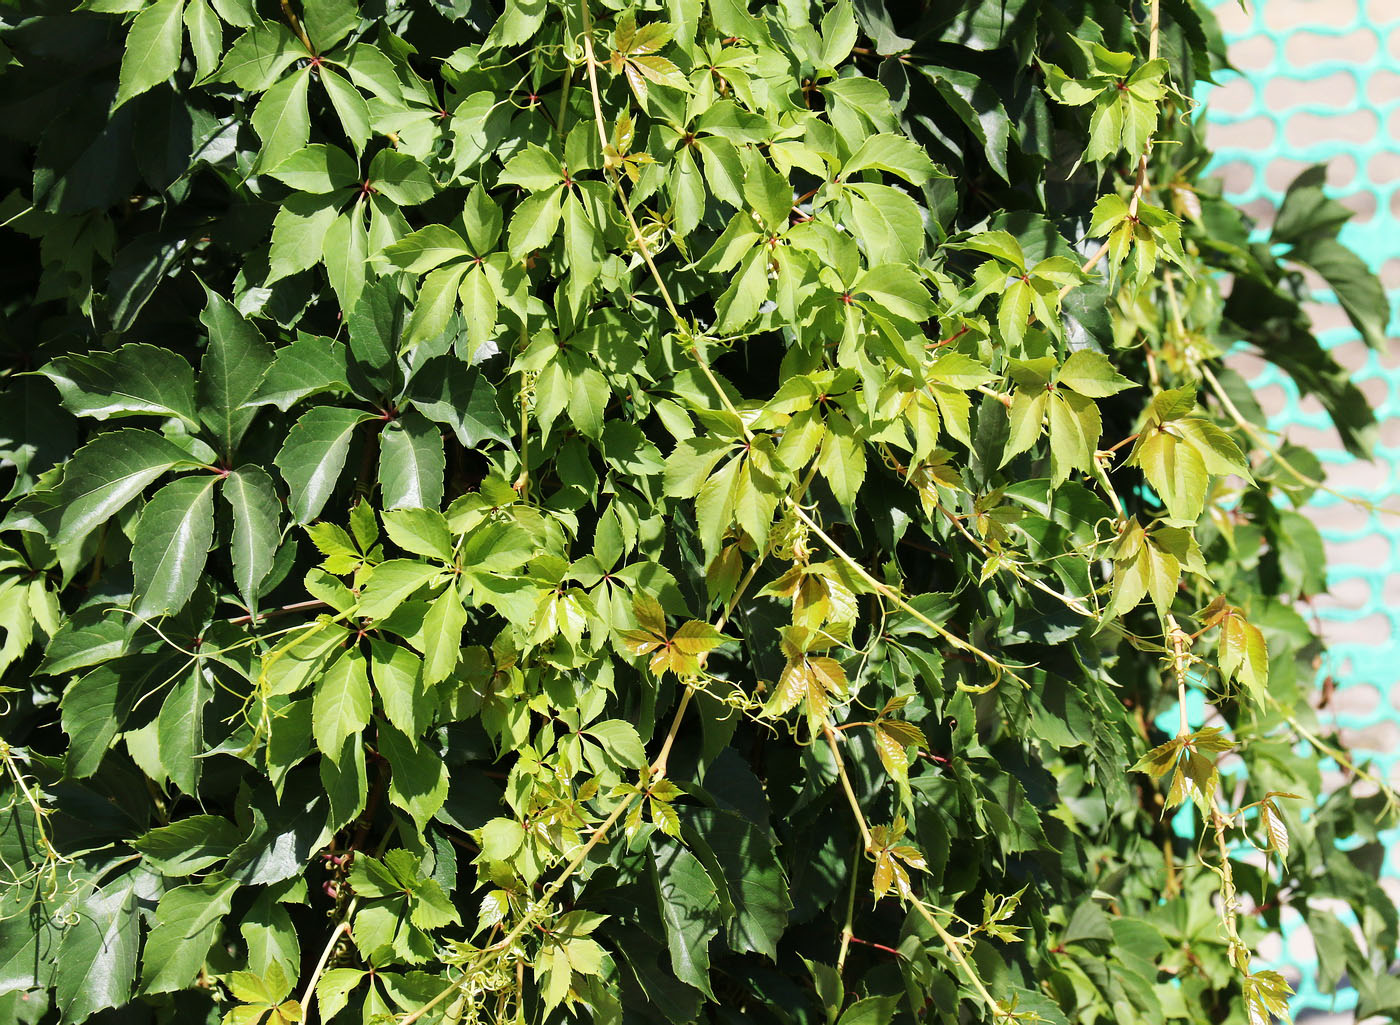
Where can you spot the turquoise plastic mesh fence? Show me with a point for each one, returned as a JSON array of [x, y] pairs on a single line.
[[1325, 77]]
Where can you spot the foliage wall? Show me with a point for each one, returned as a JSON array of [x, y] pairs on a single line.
[[572, 512]]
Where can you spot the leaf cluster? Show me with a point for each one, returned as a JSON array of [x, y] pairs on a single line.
[[568, 510]]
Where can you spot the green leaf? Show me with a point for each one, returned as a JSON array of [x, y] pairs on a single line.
[[425, 249], [391, 583], [188, 845], [841, 460], [249, 492], [188, 920], [690, 911], [346, 252], [329, 21], [877, 1010], [893, 153], [1359, 291], [839, 34], [180, 729], [898, 289], [152, 50], [94, 708], [299, 235], [401, 178], [978, 106], [421, 532], [314, 455], [768, 193], [281, 119], [98, 952], [588, 398], [231, 371], [135, 380], [411, 463], [437, 299], [533, 168], [206, 37], [345, 779], [350, 107], [341, 705], [1090, 373], [398, 680], [317, 169], [1014, 311], [501, 838], [257, 58], [442, 636], [535, 222], [172, 544], [753, 878], [1244, 655], [479, 307], [1176, 472], [310, 365], [461, 399], [418, 777]]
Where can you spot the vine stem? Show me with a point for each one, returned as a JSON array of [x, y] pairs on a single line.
[[876, 946], [1140, 184], [1179, 640], [889, 593], [948, 941], [1263, 442], [1391, 797], [1240, 953], [847, 933], [846, 785], [296, 25], [657, 770], [308, 994], [955, 951], [700, 358], [296, 606]]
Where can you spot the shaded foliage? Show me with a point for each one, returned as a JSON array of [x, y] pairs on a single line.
[[554, 511]]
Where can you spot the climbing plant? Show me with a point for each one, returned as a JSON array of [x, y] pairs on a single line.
[[575, 511]]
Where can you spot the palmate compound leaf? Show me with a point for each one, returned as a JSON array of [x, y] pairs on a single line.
[[1266, 997], [1177, 453], [812, 680], [1187, 758], [893, 859], [1151, 563], [679, 653]]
